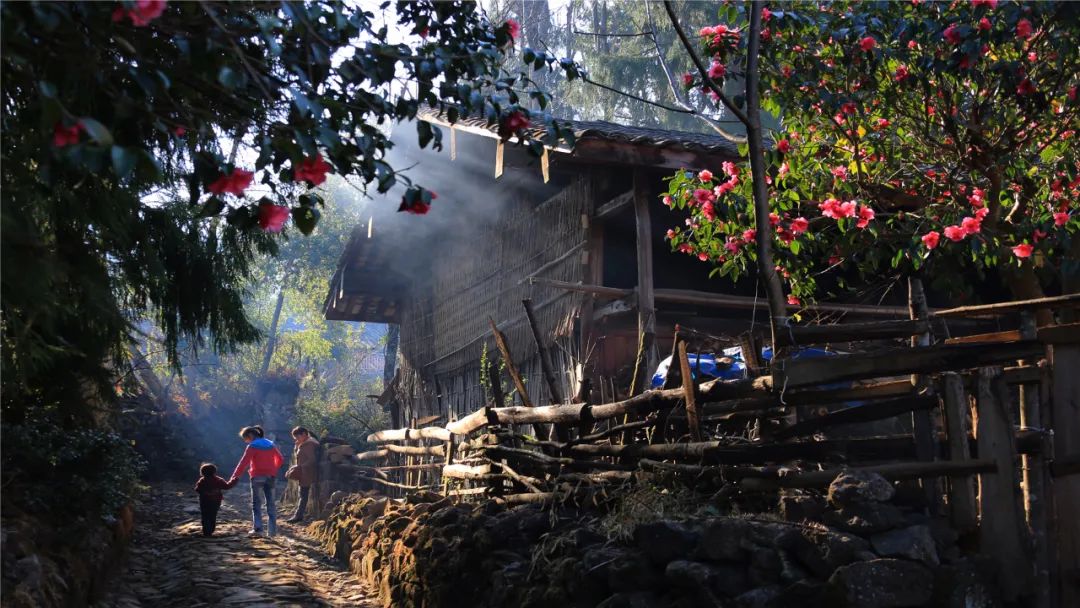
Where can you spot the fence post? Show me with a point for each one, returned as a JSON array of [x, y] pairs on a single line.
[[961, 490], [1065, 414], [692, 418], [1001, 526], [1035, 495]]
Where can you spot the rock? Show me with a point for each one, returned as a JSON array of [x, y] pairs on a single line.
[[822, 550], [758, 597], [765, 566], [663, 541], [853, 487], [631, 600], [722, 539], [866, 518], [914, 543], [706, 580], [803, 593], [881, 583], [630, 571], [801, 508], [964, 584]]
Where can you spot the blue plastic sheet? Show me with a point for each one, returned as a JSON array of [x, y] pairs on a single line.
[[706, 366]]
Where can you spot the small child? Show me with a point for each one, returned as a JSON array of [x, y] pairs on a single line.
[[210, 488]]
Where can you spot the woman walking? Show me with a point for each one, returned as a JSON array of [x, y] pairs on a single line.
[[304, 470], [261, 460]]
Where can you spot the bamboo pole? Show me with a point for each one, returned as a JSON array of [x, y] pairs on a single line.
[[560, 431], [689, 393]]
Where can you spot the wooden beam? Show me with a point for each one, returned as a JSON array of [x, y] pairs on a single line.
[[511, 367], [851, 332], [561, 432], [1065, 421], [615, 205], [931, 359], [1068, 333], [430, 432], [1012, 335], [772, 477], [863, 413], [961, 491], [553, 263], [1001, 529], [1065, 301], [647, 357]]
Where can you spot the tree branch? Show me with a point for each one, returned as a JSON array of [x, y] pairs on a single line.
[[742, 116]]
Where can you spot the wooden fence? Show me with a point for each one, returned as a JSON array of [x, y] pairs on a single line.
[[989, 426]]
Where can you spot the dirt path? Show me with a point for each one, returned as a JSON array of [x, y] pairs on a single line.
[[170, 563]]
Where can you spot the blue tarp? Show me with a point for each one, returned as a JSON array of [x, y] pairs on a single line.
[[704, 365]]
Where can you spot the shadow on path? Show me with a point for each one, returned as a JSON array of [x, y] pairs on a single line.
[[170, 563]]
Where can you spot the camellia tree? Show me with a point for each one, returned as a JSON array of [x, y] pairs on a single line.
[[918, 138], [136, 135]]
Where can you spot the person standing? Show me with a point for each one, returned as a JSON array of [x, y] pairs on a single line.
[[262, 460], [305, 469]]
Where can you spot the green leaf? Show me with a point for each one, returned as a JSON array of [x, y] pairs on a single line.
[[424, 132], [123, 161], [211, 207], [305, 218], [97, 131]]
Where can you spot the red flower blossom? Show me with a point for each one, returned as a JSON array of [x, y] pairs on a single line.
[[901, 73], [882, 123], [1061, 218], [705, 175], [952, 35], [670, 234], [424, 32], [867, 44], [418, 206], [749, 235], [848, 108], [787, 71], [66, 136], [1072, 93], [971, 225], [792, 300], [930, 239], [984, 24], [1023, 29], [800, 225], [784, 146], [272, 217], [702, 196], [667, 200], [766, 14], [688, 80], [514, 29], [1025, 87], [233, 183], [708, 211], [865, 215], [840, 173], [180, 131], [144, 12], [514, 122], [991, 3], [730, 168], [717, 70], [774, 219], [312, 170], [955, 233], [1023, 250]]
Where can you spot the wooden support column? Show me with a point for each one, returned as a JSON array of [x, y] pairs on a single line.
[[692, 418], [562, 434], [1065, 412], [921, 421], [1002, 529], [646, 361], [1035, 474], [958, 425]]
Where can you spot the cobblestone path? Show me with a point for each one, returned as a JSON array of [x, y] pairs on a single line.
[[170, 563]]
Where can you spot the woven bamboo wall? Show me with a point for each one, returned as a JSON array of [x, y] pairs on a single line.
[[478, 276]]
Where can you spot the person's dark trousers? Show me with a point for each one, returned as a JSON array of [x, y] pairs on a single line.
[[301, 506], [208, 507]]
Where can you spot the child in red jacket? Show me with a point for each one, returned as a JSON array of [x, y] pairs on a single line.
[[210, 487], [261, 460]]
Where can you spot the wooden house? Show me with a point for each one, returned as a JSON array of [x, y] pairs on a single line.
[[580, 233]]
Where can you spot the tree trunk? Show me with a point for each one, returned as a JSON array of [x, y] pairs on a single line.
[[271, 342], [774, 291]]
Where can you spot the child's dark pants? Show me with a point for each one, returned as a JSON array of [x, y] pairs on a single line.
[[209, 509]]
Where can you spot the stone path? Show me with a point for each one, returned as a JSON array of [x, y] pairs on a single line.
[[170, 563]]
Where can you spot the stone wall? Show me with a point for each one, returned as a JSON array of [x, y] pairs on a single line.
[[855, 547]]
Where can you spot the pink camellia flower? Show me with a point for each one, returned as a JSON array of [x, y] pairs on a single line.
[[830, 207], [233, 183], [418, 206], [685, 248], [667, 200], [882, 123], [180, 131], [312, 170], [901, 73], [984, 24], [1025, 87], [1072, 93], [784, 146], [774, 219], [688, 80], [848, 209], [144, 12], [955, 233], [865, 215], [704, 257], [717, 70], [272, 217], [1038, 235], [703, 195], [1023, 250], [991, 3], [670, 234], [66, 136], [707, 32], [750, 235], [849, 107], [730, 168], [981, 212], [705, 175], [930, 239], [766, 14], [787, 71], [800, 225], [792, 300], [1023, 29], [784, 170], [971, 225], [1061, 218], [840, 173], [732, 244], [513, 28], [867, 44], [708, 211], [952, 35]]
